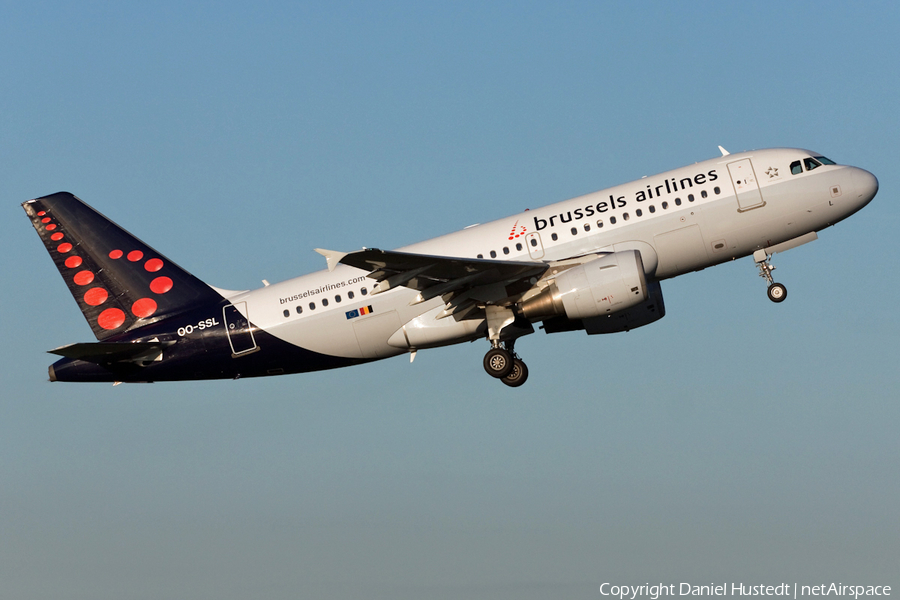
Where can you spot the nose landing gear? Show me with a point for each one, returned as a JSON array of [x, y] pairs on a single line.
[[776, 291]]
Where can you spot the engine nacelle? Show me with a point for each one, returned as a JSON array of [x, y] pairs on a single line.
[[653, 309], [608, 284]]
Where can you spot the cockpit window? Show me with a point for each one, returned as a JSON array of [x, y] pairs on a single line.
[[825, 161], [811, 163], [796, 169]]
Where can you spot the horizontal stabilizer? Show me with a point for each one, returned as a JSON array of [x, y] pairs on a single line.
[[113, 352]]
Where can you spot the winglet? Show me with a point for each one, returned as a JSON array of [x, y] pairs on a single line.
[[724, 151], [332, 257]]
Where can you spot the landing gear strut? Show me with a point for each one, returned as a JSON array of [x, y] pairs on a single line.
[[776, 291], [501, 360]]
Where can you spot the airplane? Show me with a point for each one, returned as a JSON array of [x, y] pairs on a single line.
[[593, 263]]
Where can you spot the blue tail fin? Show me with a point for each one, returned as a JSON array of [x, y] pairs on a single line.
[[119, 282]]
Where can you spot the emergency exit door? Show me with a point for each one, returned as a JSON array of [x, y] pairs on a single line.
[[534, 245], [746, 187]]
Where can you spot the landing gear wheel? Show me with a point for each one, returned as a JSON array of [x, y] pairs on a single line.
[[518, 375], [777, 292], [498, 363]]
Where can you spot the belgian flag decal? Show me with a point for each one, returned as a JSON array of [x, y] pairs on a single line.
[[359, 312]]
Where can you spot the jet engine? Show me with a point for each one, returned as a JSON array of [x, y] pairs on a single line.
[[605, 285]]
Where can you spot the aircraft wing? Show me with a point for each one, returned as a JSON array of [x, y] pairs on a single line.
[[436, 276]]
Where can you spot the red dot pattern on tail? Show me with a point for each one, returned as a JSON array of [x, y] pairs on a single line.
[[144, 307], [111, 318], [161, 285], [95, 296], [83, 277]]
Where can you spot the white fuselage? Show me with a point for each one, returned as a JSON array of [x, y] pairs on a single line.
[[680, 221]]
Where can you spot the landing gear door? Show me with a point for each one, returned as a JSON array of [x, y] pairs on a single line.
[[746, 187], [535, 248], [240, 333]]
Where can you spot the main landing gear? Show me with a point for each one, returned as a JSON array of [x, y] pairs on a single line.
[[501, 360], [503, 364], [776, 291]]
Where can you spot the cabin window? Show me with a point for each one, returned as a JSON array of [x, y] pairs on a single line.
[[625, 216], [337, 298], [612, 220], [599, 223], [554, 237], [811, 163], [364, 291], [324, 301], [703, 194], [518, 246], [480, 256], [652, 208], [299, 309], [717, 191], [312, 306], [505, 250], [796, 169], [665, 205], [677, 201], [587, 226], [287, 313], [639, 213], [690, 197], [574, 231], [534, 242], [350, 295], [493, 254]]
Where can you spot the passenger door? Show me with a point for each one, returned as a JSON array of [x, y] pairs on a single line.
[[240, 333], [746, 187]]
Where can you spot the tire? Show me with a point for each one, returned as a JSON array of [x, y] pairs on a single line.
[[498, 363], [518, 375], [777, 292]]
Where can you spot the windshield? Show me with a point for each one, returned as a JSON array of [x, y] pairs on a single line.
[[810, 164]]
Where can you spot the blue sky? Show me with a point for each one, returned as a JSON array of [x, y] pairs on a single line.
[[735, 440]]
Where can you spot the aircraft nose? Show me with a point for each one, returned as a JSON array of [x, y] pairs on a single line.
[[866, 185]]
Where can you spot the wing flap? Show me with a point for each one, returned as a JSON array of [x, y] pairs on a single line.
[[422, 271]]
